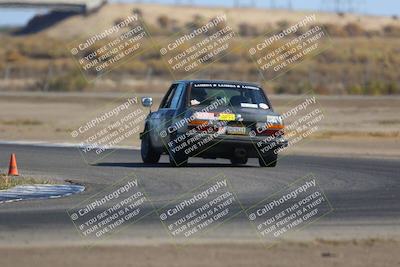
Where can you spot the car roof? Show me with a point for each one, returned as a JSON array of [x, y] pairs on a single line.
[[219, 81]]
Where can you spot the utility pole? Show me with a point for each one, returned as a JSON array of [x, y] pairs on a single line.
[[350, 6], [7, 72], [249, 3], [337, 6], [290, 6]]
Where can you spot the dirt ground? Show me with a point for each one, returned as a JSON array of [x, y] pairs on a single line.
[[349, 123], [318, 253]]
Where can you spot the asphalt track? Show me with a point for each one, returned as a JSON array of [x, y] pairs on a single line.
[[364, 192]]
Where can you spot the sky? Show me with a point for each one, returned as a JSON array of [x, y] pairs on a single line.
[[10, 16]]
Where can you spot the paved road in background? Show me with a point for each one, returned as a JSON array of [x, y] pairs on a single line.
[[364, 192]]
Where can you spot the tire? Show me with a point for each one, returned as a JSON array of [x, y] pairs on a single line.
[[269, 160], [239, 161], [148, 153]]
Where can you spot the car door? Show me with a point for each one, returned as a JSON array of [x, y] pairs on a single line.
[[163, 118]]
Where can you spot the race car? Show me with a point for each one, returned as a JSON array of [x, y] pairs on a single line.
[[213, 119]]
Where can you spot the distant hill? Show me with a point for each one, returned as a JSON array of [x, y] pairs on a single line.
[[88, 24], [360, 57]]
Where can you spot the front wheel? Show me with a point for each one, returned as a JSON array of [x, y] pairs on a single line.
[[148, 153], [268, 160]]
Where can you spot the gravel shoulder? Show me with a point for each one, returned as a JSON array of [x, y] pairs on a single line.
[[318, 253]]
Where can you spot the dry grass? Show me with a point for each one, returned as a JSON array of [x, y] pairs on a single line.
[[107, 16], [365, 64], [11, 181], [357, 134], [21, 122]]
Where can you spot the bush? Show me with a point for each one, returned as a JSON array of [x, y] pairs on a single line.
[[42, 47], [392, 88], [72, 81], [137, 11], [118, 21], [283, 24], [164, 22], [391, 31], [14, 56], [341, 14], [197, 22], [354, 29], [334, 30], [355, 89], [221, 25], [247, 30], [374, 88]]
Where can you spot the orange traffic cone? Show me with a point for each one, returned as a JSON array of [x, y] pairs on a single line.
[[13, 169]]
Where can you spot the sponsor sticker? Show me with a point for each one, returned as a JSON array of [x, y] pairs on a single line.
[[226, 117]]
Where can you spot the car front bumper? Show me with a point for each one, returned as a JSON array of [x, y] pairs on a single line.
[[226, 145]]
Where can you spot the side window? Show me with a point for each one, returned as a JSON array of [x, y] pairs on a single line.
[[167, 98], [177, 96]]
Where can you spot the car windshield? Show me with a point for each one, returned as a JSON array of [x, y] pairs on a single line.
[[232, 94]]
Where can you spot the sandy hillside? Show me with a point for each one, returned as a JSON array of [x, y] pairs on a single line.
[[260, 17]]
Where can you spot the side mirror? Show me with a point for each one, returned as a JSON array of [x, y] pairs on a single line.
[[147, 102]]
